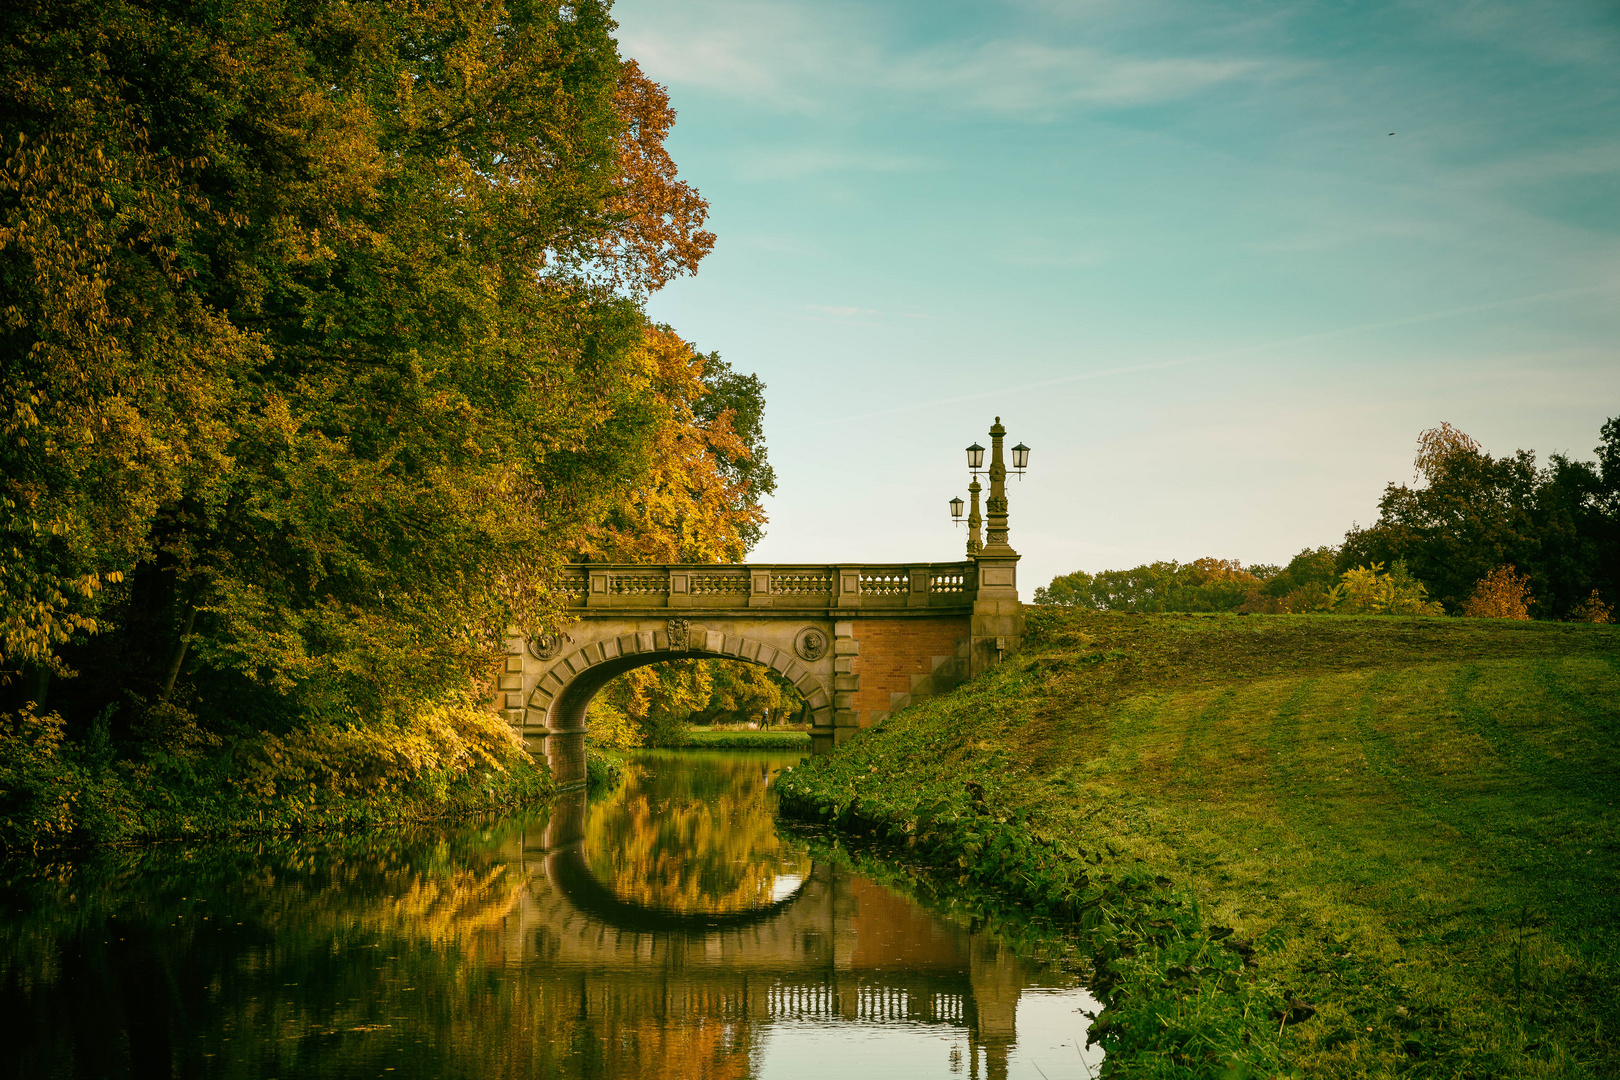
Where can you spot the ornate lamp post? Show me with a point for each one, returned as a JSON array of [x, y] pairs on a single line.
[[998, 620], [996, 505]]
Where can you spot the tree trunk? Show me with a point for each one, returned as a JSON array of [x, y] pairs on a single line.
[[179, 653]]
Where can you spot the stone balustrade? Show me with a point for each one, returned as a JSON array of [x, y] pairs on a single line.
[[945, 588]]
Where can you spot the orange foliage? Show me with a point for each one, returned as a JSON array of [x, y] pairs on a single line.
[[686, 509], [1501, 594], [657, 220], [1210, 569]]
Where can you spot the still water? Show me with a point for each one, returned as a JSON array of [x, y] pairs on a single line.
[[667, 929]]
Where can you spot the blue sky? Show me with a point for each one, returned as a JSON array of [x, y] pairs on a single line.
[[1173, 245]]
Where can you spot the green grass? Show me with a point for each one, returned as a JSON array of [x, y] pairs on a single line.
[[698, 738], [1410, 821]]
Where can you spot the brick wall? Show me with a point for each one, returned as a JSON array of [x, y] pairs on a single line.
[[893, 650]]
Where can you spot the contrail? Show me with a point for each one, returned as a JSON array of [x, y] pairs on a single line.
[[1200, 358]]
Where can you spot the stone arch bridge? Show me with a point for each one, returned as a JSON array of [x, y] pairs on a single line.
[[860, 641]]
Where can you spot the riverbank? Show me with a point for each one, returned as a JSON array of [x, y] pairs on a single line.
[[1326, 845], [57, 795]]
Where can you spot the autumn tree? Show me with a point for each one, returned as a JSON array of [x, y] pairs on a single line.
[[697, 501], [321, 346], [1437, 447], [744, 692], [1593, 610], [1372, 590], [700, 481], [654, 221]]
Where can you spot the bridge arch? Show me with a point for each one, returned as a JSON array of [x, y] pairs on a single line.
[[612, 654]]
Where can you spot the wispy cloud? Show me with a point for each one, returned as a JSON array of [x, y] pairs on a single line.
[[810, 58], [1035, 78], [1601, 159], [1551, 32]]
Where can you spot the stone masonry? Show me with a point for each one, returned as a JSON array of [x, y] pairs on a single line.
[[858, 641]]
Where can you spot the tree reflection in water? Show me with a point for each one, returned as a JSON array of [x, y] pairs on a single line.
[[655, 934], [689, 840]]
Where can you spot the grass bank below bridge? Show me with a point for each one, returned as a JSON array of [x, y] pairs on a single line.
[[744, 739], [1288, 845]]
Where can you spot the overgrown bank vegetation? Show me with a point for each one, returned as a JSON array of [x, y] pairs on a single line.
[[1302, 845]]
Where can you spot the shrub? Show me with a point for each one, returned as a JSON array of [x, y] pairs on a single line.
[[1593, 610], [603, 770], [610, 727], [1501, 594], [38, 781], [1370, 590], [448, 738]]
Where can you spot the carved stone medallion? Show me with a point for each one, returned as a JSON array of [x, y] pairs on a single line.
[[545, 646], [679, 631], [811, 644]]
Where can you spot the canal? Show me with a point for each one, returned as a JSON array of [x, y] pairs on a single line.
[[668, 928]]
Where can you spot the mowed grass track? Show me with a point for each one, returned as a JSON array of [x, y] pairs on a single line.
[[1414, 818]]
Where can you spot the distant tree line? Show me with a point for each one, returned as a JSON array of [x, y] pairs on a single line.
[[1474, 535]]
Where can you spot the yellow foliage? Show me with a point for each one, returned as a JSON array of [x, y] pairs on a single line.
[[38, 788], [454, 735], [676, 687], [1593, 610], [686, 509], [1501, 594], [1370, 590], [743, 692], [1209, 569], [607, 725]]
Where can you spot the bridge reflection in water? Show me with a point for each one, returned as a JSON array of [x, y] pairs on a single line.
[[820, 948], [666, 931]]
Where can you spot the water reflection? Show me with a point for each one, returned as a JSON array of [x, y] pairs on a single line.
[[694, 840], [665, 931]]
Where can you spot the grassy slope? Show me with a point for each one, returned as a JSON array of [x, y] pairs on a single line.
[[1413, 820]]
